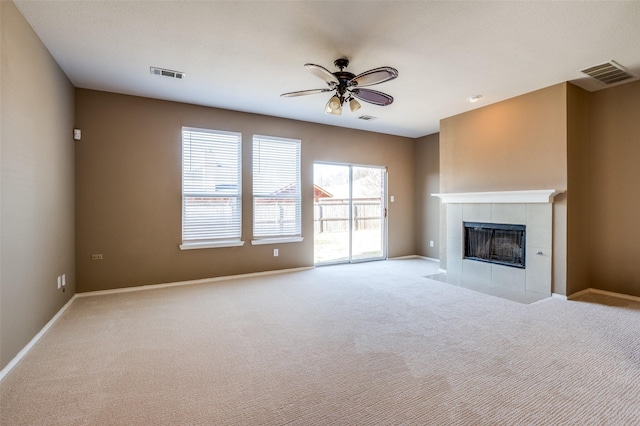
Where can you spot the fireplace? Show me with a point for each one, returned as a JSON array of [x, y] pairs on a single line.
[[532, 210], [502, 244]]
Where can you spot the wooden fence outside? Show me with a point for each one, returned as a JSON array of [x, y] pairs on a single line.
[[332, 215]]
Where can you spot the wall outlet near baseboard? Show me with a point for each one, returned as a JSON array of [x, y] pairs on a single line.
[[431, 243], [97, 256], [275, 252]]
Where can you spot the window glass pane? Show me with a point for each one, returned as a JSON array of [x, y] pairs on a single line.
[[276, 187], [211, 185]]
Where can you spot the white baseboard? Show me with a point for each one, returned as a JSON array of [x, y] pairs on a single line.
[[191, 282], [48, 325], [604, 293], [415, 256], [558, 296], [16, 359]]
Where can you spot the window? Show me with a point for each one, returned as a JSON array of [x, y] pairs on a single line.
[[276, 190], [211, 188]]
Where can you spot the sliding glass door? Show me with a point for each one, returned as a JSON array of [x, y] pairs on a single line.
[[349, 213]]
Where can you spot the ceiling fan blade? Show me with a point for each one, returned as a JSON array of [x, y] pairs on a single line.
[[372, 96], [304, 92], [374, 76], [322, 73]]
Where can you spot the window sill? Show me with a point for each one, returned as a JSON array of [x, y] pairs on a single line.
[[276, 241], [210, 244]]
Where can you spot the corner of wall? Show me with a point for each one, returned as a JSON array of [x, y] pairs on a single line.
[[37, 176], [578, 189], [427, 208]]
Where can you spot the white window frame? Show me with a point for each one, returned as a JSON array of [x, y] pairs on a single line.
[[212, 241], [258, 191]]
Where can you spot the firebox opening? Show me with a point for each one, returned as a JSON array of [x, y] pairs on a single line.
[[503, 244]]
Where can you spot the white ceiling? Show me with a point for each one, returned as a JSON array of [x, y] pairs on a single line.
[[241, 55]]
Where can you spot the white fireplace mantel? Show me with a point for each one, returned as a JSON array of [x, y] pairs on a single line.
[[533, 196]]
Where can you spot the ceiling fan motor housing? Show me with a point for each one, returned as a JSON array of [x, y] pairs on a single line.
[[341, 63], [347, 85]]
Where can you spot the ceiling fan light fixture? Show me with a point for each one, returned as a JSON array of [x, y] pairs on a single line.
[[348, 86], [354, 105], [334, 106]]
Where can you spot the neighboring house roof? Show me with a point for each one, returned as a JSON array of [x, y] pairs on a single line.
[[318, 192]]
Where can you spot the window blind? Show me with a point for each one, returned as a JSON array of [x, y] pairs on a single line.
[[211, 186], [276, 188]]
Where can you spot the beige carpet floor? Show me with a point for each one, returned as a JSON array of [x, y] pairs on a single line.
[[365, 344]]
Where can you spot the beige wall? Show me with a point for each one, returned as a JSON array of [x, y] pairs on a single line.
[[128, 186], [579, 189], [615, 197], [517, 144], [37, 207], [427, 182]]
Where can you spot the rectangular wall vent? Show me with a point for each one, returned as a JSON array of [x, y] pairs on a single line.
[[167, 73], [366, 117], [608, 73]]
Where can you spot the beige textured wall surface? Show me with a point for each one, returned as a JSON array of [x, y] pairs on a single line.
[[615, 197], [579, 189], [37, 207], [427, 182], [516, 144], [128, 186]]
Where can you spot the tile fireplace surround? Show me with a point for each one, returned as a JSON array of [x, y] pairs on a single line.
[[534, 209]]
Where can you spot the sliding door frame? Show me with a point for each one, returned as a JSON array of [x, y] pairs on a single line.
[[383, 218]]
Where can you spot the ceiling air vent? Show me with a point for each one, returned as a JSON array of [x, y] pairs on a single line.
[[366, 118], [167, 73], [608, 73]]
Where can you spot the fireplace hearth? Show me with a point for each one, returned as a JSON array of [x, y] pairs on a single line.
[[502, 244]]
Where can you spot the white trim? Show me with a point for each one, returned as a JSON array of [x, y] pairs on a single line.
[[283, 240], [559, 296], [411, 256], [191, 282], [578, 294], [414, 256], [604, 293], [534, 196], [16, 359], [209, 244], [52, 321]]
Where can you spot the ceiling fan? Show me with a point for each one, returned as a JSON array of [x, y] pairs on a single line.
[[348, 86]]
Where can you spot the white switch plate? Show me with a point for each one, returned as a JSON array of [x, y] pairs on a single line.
[[392, 199], [431, 243], [275, 252], [59, 282], [64, 280]]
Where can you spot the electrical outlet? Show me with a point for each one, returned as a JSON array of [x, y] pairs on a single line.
[[96, 256], [431, 243], [275, 252]]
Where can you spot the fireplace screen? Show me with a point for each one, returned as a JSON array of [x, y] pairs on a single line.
[[495, 243]]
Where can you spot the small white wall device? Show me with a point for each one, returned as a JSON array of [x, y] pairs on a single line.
[[77, 134]]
